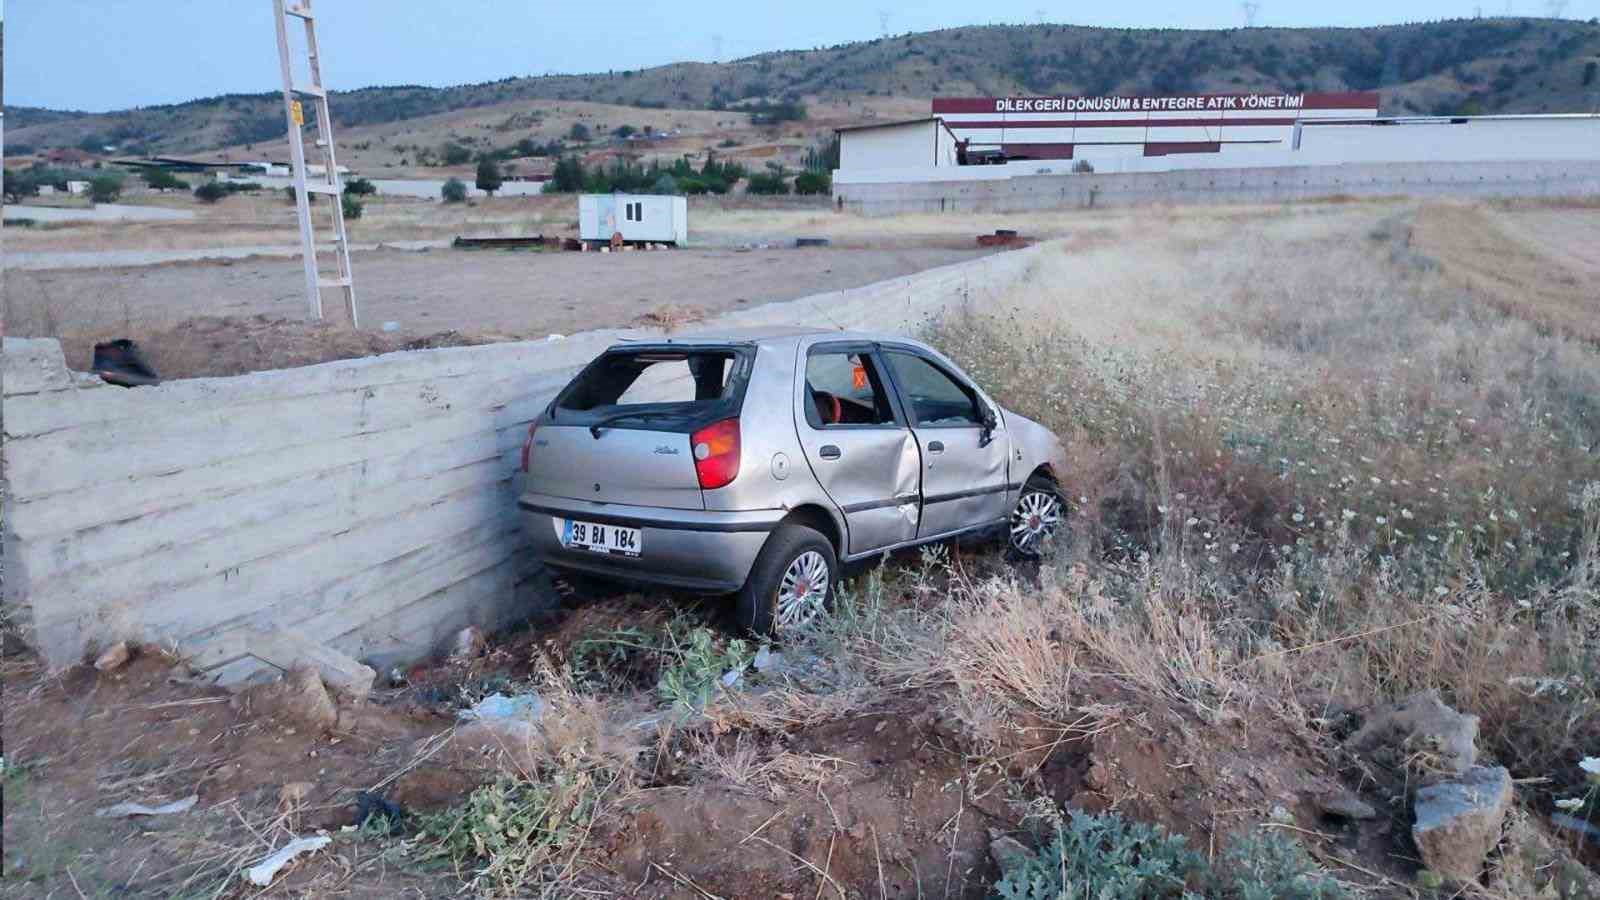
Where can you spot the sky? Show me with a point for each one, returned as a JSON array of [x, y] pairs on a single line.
[[101, 55]]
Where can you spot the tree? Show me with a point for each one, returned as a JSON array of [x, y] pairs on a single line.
[[360, 187], [20, 184], [772, 182], [212, 191], [813, 183], [489, 177], [622, 132], [454, 191], [454, 154], [105, 188], [350, 205], [567, 177], [579, 132], [162, 180]]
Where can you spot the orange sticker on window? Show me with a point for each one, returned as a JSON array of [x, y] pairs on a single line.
[[858, 377]]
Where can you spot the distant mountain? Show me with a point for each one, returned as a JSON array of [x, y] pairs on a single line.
[[1459, 66]]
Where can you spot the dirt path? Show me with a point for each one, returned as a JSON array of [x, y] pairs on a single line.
[[515, 293]]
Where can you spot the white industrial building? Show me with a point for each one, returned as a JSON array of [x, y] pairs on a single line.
[[986, 139]]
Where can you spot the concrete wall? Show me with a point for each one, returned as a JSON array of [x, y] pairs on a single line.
[[1508, 139], [366, 505], [1265, 185], [912, 144]]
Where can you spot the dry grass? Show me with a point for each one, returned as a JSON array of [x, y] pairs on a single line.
[[1331, 467]]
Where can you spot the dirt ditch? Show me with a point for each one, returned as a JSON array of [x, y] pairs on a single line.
[[781, 782]]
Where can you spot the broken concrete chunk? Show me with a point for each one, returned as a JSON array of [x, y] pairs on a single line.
[[1419, 733], [113, 657], [1458, 822], [262, 873], [128, 810]]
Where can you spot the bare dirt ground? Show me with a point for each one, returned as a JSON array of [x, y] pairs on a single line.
[[485, 293]]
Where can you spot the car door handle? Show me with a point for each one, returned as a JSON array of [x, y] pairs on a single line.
[[936, 446], [829, 451]]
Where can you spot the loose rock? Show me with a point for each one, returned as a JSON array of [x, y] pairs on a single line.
[[468, 644], [1422, 734], [1458, 822], [1007, 852], [113, 657], [1345, 805]]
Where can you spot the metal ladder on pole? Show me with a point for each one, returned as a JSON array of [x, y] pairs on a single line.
[[325, 185]]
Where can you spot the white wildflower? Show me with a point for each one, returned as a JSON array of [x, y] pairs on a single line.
[[1440, 591], [1383, 520], [1570, 804], [1406, 514], [1348, 514], [1590, 764], [1298, 517]]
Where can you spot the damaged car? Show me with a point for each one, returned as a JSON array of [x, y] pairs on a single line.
[[757, 463]]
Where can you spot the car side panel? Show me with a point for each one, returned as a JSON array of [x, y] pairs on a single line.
[[773, 474]]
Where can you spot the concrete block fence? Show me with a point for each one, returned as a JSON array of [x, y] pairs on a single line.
[[1245, 185], [365, 505]]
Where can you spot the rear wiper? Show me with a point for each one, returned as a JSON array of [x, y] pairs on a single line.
[[594, 428]]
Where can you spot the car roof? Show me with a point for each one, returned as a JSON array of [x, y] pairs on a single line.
[[769, 334]]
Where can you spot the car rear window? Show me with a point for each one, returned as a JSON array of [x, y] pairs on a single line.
[[663, 380]]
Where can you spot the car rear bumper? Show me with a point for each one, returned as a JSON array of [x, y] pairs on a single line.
[[699, 550]]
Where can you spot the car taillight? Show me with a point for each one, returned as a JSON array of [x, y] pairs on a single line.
[[527, 445], [716, 453]]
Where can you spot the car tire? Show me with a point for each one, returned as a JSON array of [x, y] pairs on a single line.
[[791, 561], [1036, 516]]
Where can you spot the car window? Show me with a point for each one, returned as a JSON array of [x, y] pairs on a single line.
[[629, 378], [844, 389], [935, 398]]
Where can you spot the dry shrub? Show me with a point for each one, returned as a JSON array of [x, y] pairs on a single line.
[[1349, 475], [670, 317]]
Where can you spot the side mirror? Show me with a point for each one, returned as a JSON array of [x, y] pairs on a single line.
[[986, 436]]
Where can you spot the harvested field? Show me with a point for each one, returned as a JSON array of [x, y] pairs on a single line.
[[187, 313]]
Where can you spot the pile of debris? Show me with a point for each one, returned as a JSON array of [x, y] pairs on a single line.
[[1466, 827]]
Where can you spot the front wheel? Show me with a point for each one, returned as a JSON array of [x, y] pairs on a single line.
[[791, 582], [1035, 517]]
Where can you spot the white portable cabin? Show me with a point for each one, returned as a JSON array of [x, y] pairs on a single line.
[[647, 218]]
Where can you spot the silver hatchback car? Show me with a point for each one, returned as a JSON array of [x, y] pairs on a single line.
[[755, 463]]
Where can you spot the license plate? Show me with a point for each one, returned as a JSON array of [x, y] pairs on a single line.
[[597, 538]]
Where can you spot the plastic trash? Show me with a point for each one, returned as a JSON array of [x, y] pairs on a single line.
[[499, 706], [126, 810], [262, 873]]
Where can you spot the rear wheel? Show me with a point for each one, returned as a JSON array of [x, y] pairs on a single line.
[[1035, 517], [791, 582]]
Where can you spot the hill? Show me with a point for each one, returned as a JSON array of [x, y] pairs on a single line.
[[1457, 66]]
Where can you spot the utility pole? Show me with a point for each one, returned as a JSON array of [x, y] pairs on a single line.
[[328, 184], [883, 22], [716, 48], [1251, 10]]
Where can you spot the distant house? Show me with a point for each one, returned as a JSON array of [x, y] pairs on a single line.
[[70, 156]]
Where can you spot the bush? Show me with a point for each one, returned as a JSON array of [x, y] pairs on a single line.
[[20, 184], [361, 187], [454, 191], [1101, 856], [162, 180], [813, 183], [768, 183], [1083, 167], [105, 188], [454, 154], [666, 184], [212, 191], [489, 177], [1270, 866], [579, 132], [351, 206]]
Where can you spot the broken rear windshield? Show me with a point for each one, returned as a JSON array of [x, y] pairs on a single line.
[[670, 380]]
